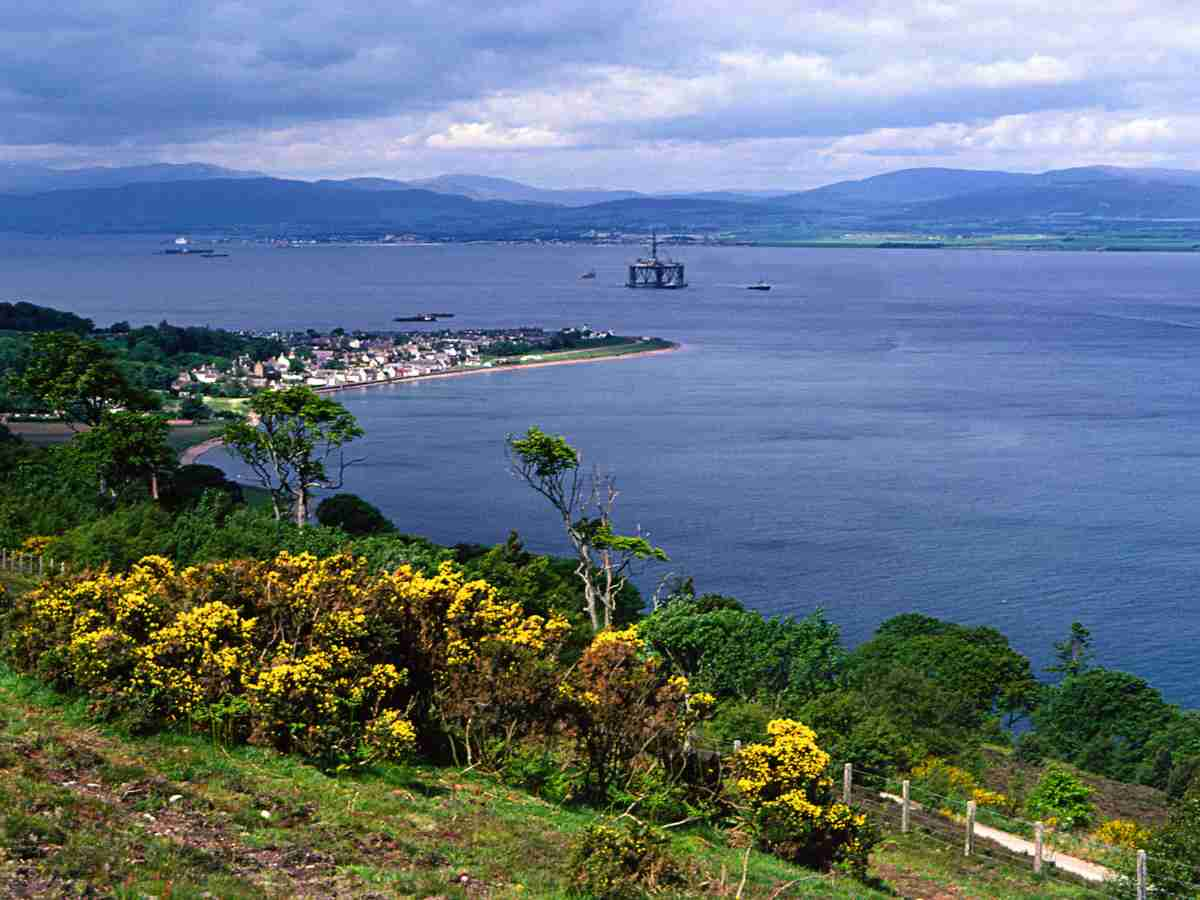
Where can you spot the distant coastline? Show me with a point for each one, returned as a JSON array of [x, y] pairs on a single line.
[[192, 454]]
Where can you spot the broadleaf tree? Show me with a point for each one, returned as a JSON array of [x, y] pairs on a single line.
[[77, 378], [290, 441], [127, 446], [584, 502]]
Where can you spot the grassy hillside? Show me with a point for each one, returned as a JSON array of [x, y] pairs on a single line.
[[86, 808]]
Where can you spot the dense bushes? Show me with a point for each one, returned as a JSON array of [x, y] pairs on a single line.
[[315, 656], [736, 653]]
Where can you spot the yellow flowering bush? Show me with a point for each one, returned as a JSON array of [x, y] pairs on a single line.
[[787, 800], [623, 863], [499, 684], [312, 655], [390, 736], [37, 544], [620, 701], [1122, 833]]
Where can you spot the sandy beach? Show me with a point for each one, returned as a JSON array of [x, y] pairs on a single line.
[[192, 454]]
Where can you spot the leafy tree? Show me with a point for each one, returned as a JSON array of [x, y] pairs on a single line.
[[22, 316], [125, 447], [77, 378], [1102, 720], [854, 728], [194, 408], [551, 466], [296, 435], [976, 664], [1074, 653], [1172, 756], [353, 515], [738, 653]]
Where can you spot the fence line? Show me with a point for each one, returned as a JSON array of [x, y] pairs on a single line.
[[35, 565], [1040, 851]]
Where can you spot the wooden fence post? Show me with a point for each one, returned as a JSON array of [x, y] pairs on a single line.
[[1039, 841], [1142, 887], [904, 806], [969, 846], [847, 781]]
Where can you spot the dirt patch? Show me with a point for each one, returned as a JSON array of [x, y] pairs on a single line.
[[906, 884]]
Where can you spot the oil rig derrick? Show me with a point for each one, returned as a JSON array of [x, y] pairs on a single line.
[[652, 272]]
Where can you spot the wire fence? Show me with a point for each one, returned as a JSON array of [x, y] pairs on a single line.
[[31, 565], [990, 837]]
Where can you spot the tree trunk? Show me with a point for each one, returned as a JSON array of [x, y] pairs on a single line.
[[301, 506], [154, 485]]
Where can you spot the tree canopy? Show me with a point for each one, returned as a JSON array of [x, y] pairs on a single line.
[[584, 503], [975, 664], [1103, 721], [738, 653], [296, 435], [77, 378]]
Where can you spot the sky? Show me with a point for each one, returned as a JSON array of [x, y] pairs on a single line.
[[652, 96]]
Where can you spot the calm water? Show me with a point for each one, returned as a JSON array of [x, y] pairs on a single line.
[[1000, 438]]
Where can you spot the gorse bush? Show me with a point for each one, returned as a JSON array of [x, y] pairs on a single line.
[[787, 800], [623, 863], [1122, 833], [622, 702], [314, 656]]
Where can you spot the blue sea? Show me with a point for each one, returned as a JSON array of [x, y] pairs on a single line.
[[996, 438]]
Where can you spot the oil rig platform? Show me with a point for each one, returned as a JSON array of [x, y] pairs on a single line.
[[652, 272]]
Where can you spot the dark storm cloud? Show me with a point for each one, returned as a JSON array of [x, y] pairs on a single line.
[[106, 72]]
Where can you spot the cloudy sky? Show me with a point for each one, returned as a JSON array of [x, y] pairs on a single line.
[[661, 95]]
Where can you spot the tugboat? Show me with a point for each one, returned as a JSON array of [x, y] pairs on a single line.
[[761, 286]]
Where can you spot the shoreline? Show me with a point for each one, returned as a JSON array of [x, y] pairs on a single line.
[[191, 455], [480, 370]]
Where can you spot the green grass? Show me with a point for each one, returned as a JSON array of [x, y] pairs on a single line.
[[181, 437], [228, 404], [575, 355]]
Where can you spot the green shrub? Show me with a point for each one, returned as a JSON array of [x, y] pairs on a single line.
[[1061, 796], [624, 862], [353, 515]]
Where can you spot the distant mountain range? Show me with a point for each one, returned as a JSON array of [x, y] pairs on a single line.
[[198, 197], [20, 178]]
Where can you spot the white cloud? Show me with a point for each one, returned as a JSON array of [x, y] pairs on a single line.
[[488, 136]]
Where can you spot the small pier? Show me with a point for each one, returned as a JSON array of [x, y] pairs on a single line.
[[652, 272]]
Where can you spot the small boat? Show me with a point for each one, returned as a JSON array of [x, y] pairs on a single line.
[[590, 273], [761, 286]]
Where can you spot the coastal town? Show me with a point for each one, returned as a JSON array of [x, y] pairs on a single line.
[[339, 359]]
